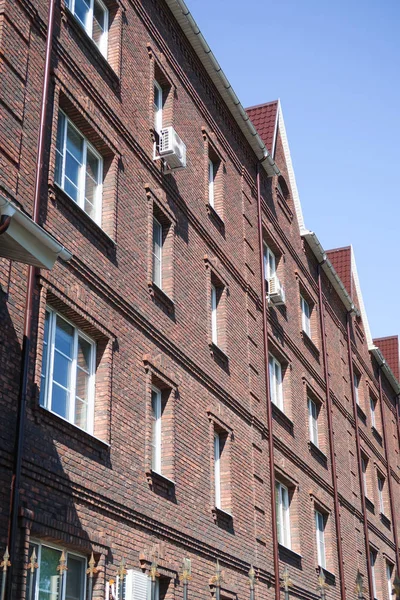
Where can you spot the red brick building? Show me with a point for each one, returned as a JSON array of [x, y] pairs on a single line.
[[158, 407]]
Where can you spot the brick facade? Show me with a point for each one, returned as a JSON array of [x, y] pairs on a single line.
[[98, 493]]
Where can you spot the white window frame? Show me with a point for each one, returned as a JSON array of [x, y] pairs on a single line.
[[389, 571], [276, 382], [51, 546], [372, 406], [283, 514], [269, 263], [313, 421], [320, 536], [372, 557], [217, 469], [214, 316], [158, 107], [156, 439], [356, 380], [364, 474], [48, 383], [381, 484], [305, 316], [211, 183], [82, 171], [88, 27], [155, 257]]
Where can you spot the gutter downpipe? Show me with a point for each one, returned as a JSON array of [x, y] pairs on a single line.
[[269, 408], [398, 419], [331, 441], [26, 345], [392, 508], [358, 445]]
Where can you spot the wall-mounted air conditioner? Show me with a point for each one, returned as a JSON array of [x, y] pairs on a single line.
[[172, 149], [276, 291]]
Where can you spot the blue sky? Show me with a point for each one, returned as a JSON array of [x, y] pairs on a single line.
[[335, 67]]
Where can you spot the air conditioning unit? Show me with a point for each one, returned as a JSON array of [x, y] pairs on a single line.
[[276, 291], [172, 149]]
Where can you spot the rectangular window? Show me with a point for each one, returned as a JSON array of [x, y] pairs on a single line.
[[214, 320], [157, 252], [93, 16], [68, 372], [275, 382], [381, 485], [372, 557], [364, 474], [46, 583], [372, 407], [156, 412], [282, 514], [305, 316], [356, 387], [320, 531], [269, 263], [211, 183], [217, 469], [313, 421], [79, 168], [158, 107], [389, 572]]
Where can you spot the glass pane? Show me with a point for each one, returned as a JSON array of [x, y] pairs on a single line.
[[48, 578], [82, 9], [44, 358], [59, 400], [61, 369], [90, 193], [64, 337], [75, 143], [98, 22], [92, 165], [60, 148], [82, 384], [75, 578], [71, 189], [59, 166], [81, 410], [84, 354]]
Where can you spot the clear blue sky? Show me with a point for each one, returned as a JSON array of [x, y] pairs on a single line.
[[335, 67]]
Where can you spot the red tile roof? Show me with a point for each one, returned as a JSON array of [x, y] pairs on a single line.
[[341, 261], [263, 118], [389, 346]]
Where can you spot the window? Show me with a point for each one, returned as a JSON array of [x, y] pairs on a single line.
[[68, 372], [372, 557], [269, 263], [214, 322], [282, 514], [211, 181], [381, 485], [389, 573], [46, 582], [156, 440], [305, 316], [356, 379], [372, 405], [320, 531], [158, 107], [93, 15], [313, 421], [217, 469], [79, 168], [275, 382], [364, 474], [157, 252]]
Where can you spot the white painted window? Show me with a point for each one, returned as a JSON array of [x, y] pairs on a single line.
[[305, 316], [157, 252], [158, 107], [275, 382], [389, 572], [68, 371], [156, 411], [46, 582], [313, 421], [211, 182], [79, 168], [381, 485], [372, 557], [356, 387], [269, 263], [214, 321], [217, 469], [282, 514], [372, 407], [320, 532], [364, 475], [93, 16]]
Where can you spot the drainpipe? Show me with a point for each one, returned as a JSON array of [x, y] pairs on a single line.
[[398, 418], [26, 345], [358, 446], [385, 445], [331, 441], [269, 407]]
